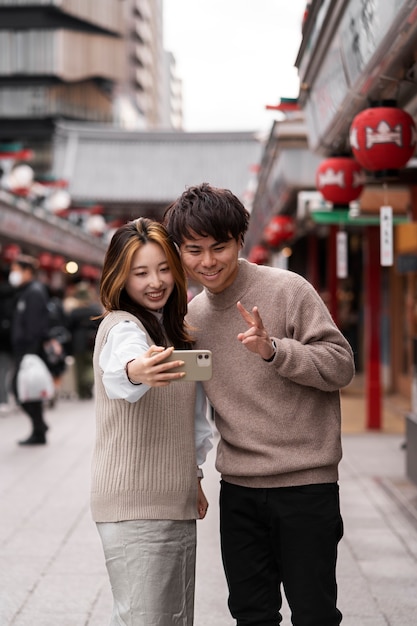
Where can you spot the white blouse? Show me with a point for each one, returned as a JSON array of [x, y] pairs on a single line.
[[126, 341]]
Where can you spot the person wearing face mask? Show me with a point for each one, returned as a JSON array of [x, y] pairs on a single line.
[[29, 330]]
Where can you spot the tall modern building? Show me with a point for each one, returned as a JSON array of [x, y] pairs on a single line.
[[172, 111], [99, 61], [141, 93]]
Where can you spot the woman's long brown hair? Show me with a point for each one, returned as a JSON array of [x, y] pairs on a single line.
[[126, 241]]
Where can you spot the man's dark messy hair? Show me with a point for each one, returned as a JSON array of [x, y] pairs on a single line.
[[206, 211]]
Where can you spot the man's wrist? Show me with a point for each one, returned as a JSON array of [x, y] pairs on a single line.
[[274, 346]]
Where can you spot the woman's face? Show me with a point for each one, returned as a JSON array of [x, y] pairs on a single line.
[[150, 281]]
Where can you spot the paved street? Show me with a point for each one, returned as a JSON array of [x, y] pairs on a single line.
[[51, 565]]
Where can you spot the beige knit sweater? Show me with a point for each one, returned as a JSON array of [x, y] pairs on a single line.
[[280, 422], [144, 464]]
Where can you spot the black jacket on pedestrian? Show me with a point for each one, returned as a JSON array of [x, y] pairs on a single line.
[[7, 300], [29, 327]]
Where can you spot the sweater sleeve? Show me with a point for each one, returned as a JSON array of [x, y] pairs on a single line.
[[314, 352]]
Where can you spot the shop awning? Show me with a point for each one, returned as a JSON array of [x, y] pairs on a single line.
[[336, 217]]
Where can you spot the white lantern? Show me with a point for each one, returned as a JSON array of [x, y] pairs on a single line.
[[20, 177]]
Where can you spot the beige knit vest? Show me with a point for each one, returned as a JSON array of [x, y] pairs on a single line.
[[144, 463]]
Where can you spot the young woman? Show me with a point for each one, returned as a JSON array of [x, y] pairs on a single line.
[[151, 433]]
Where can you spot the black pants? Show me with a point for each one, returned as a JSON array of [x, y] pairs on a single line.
[[285, 536], [35, 412]]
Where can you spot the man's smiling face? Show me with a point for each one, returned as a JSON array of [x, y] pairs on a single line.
[[211, 263]]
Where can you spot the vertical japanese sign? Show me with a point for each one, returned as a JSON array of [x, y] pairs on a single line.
[[386, 233], [341, 254]]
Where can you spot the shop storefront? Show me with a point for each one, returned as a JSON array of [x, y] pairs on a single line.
[[60, 247], [355, 55]]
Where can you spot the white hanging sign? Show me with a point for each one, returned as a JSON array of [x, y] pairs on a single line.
[[386, 234], [341, 254]]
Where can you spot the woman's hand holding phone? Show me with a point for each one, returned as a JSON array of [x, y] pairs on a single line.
[[153, 369]]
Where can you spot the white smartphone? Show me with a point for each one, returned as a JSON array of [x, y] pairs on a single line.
[[197, 364]]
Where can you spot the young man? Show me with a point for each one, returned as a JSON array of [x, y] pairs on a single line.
[[29, 330], [279, 362]]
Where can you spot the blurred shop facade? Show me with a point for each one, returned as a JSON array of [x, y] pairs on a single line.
[[339, 152], [42, 82], [30, 223], [91, 140]]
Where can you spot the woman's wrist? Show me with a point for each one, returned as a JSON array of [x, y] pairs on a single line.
[[127, 374]]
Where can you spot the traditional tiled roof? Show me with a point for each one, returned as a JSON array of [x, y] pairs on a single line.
[[108, 165]]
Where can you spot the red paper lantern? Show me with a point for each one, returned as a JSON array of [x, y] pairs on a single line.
[[383, 138], [58, 262], [279, 229], [46, 261], [259, 255], [89, 271], [11, 252], [340, 180]]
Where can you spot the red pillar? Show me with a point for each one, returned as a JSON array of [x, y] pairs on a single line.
[[372, 328]]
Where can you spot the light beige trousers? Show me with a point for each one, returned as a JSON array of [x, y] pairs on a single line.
[[151, 567]]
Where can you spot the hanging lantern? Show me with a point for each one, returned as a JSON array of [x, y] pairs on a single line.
[[45, 261], [280, 228], [340, 180], [90, 272], [10, 252], [383, 138], [259, 255], [95, 225], [57, 200], [20, 179], [58, 262]]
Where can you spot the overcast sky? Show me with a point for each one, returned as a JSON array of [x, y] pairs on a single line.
[[234, 57]]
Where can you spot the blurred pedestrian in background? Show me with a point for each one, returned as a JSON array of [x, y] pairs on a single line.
[[58, 344], [29, 330], [83, 324], [7, 297]]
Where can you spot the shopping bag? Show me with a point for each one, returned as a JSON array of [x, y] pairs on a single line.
[[34, 380]]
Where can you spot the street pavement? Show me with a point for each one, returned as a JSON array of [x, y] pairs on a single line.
[[52, 571]]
